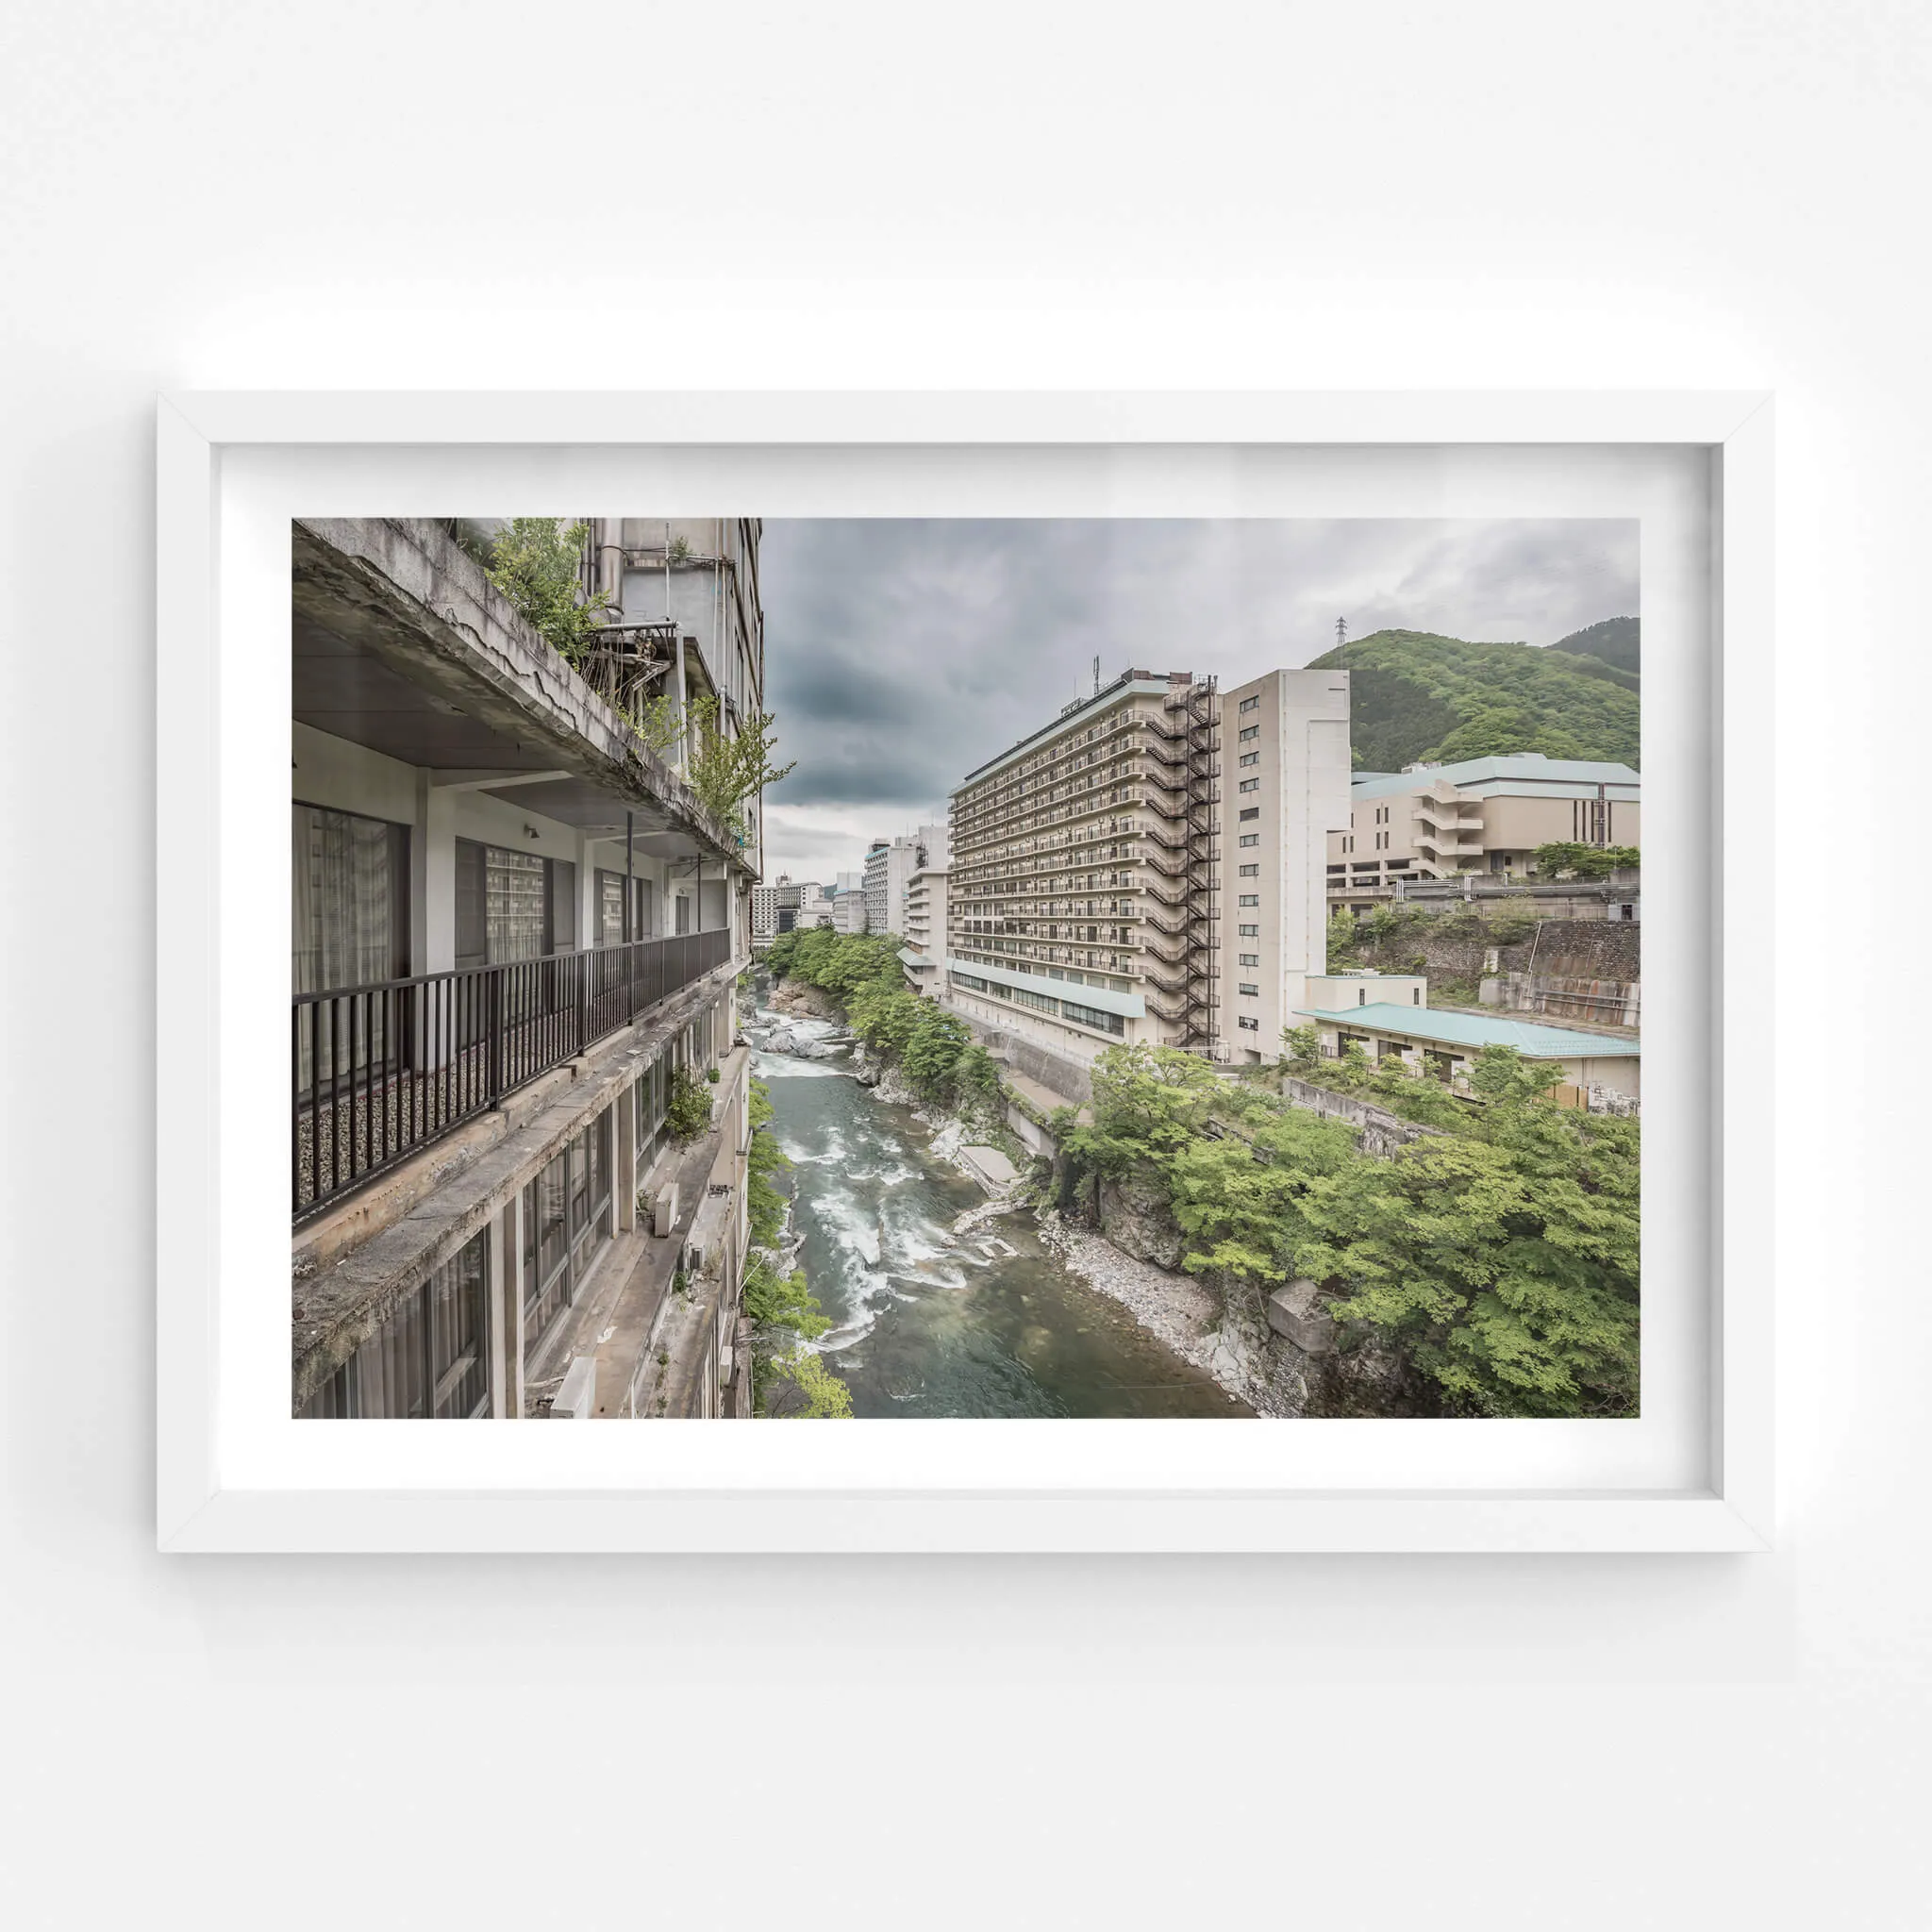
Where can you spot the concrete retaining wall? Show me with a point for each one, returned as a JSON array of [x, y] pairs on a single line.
[[1380, 1131], [1065, 1076]]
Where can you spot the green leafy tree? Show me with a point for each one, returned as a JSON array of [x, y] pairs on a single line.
[[1504, 1258], [783, 1300], [764, 1199], [537, 562], [975, 1074], [1341, 939], [1301, 1049], [1500, 1253], [1149, 1102], [803, 1388], [1585, 862], [1239, 1199], [933, 1051], [687, 1106], [725, 770]]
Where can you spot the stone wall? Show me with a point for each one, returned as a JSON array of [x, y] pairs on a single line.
[[1570, 970], [1067, 1077]]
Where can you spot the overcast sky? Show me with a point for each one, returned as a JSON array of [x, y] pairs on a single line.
[[901, 654]]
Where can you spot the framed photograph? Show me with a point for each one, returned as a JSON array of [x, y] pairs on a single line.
[[1106, 944]]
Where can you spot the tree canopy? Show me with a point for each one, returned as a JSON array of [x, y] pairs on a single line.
[[1499, 1252], [537, 562]]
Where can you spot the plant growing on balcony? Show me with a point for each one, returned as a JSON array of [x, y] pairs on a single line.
[[724, 772], [657, 726], [687, 1107], [537, 562]]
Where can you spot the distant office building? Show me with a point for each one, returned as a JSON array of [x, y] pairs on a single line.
[[889, 864], [924, 954], [776, 909]]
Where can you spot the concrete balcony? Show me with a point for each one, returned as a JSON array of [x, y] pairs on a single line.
[[402, 645]]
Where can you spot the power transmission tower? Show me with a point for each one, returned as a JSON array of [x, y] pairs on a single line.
[[1342, 640]]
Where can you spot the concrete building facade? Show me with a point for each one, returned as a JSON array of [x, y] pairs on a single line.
[[924, 954], [1159, 848], [1285, 793], [889, 864], [1482, 815], [1083, 898], [514, 937], [777, 908]]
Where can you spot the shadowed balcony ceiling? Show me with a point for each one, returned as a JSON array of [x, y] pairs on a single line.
[[366, 667]]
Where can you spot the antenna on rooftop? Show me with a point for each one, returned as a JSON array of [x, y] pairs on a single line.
[[1096, 678]]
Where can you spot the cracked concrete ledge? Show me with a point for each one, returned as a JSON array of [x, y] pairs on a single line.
[[405, 589], [338, 1301]]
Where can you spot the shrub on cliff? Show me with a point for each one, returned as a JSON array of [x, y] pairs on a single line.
[[1502, 1255]]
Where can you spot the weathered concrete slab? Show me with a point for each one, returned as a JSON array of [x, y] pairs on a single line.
[[403, 592], [992, 1163], [1296, 1312], [336, 1304]]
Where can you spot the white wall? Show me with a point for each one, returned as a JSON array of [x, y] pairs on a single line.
[[1493, 194], [330, 770]]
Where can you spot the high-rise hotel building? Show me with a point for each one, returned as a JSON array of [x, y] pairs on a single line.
[[1095, 879], [1081, 906], [1287, 788]]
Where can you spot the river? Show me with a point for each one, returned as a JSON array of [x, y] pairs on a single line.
[[989, 1323]]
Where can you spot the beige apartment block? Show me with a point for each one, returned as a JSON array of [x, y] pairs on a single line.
[[1481, 815], [1285, 792], [924, 954], [1083, 898], [1149, 866]]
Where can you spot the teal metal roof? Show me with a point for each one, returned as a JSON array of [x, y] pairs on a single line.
[[908, 958], [1476, 1030], [1514, 772]]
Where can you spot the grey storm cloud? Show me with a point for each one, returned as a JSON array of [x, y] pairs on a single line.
[[901, 654]]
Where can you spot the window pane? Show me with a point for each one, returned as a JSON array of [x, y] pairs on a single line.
[[609, 908], [514, 904], [579, 1184], [454, 1300]]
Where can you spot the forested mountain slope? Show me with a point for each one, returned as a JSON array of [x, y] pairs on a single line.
[[1417, 696]]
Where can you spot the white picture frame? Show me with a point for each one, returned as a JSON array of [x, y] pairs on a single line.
[[209, 1498]]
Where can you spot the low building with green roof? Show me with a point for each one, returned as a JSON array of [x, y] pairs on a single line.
[[1599, 1069]]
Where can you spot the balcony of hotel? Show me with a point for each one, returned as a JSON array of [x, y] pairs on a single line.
[[493, 873]]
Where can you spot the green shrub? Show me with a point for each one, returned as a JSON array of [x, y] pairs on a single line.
[[537, 562], [687, 1107]]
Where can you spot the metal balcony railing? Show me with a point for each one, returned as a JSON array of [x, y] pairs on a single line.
[[379, 1071]]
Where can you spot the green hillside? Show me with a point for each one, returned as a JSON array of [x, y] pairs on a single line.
[[1616, 642], [1421, 696]]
